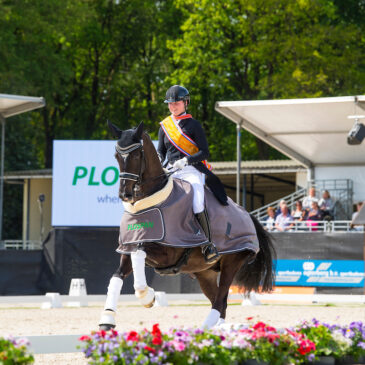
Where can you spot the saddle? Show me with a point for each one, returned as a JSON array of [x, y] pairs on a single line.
[[167, 218]]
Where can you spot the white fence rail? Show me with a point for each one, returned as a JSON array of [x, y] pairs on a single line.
[[20, 245], [318, 226]]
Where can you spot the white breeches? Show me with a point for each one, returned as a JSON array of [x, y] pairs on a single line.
[[197, 181]]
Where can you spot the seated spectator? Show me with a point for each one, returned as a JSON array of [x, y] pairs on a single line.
[[315, 214], [270, 220], [284, 221], [326, 205], [307, 201], [357, 227], [278, 211], [298, 214]]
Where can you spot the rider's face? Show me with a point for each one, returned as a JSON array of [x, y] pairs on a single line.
[[177, 107]]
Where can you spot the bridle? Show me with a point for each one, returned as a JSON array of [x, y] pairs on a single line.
[[123, 152]]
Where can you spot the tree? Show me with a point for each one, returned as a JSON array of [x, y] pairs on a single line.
[[264, 49]]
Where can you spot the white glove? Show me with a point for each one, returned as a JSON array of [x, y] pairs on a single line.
[[180, 164]]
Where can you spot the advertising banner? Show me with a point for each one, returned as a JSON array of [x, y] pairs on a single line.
[[85, 184], [340, 273]]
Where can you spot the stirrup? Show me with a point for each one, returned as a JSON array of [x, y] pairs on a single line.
[[210, 253]]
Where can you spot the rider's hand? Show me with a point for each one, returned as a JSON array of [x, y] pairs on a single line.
[[180, 164]]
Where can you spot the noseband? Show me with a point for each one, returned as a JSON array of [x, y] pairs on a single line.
[[124, 152]]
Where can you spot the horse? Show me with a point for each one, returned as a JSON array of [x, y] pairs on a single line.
[[141, 176]]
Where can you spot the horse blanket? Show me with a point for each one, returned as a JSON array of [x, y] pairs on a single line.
[[168, 219]]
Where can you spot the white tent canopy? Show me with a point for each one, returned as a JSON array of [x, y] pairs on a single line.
[[16, 104], [312, 131], [11, 105]]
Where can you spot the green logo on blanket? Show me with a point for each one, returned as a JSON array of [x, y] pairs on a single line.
[[132, 227]]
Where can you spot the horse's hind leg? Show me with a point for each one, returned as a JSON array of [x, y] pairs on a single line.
[[107, 320], [209, 286], [229, 265]]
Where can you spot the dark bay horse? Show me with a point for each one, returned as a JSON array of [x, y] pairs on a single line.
[[141, 175]]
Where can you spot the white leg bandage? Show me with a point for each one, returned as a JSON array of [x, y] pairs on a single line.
[[144, 293], [212, 319], [221, 321], [138, 264], [114, 288]]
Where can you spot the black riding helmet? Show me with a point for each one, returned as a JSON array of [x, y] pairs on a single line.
[[177, 93]]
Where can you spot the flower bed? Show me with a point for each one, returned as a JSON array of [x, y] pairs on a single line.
[[14, 351], [226, 345]]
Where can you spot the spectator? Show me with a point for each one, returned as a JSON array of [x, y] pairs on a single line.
[[315, 214], [307, 201], [357, 227], [278, 211], [284, 221], [326, 205], [270, 220], [298, 214]]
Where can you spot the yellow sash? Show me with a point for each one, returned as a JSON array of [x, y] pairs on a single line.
[[179, 139]]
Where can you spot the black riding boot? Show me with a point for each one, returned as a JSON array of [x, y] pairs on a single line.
[[209, 251]]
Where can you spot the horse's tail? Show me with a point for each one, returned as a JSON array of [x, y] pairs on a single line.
[[260, 273]]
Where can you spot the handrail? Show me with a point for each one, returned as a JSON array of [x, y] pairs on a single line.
[[319, 226], [20, 245], [290, 199]]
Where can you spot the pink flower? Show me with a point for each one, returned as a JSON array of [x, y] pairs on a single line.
[[179, 346]]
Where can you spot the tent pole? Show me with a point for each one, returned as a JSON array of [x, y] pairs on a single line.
[[238, 184], [2, 120]]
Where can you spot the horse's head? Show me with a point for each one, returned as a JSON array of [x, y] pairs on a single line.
[[140, 169], [130, 156]]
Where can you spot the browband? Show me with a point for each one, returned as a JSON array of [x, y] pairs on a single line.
[[126, 150]]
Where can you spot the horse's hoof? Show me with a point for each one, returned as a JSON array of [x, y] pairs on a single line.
[[151, 304], [107, 320], [146, 296]]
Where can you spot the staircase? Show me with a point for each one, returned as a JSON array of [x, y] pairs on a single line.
[[341, 191], [261, 213]]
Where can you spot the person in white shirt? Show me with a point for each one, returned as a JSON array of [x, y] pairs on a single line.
[[307, 201]]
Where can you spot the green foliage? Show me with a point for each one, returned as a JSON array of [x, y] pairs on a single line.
[[14, 352], [95, 60]]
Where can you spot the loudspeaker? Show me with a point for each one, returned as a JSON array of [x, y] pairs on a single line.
[[356, 134]]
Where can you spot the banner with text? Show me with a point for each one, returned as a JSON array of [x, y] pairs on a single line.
[[344, 273], [85, 184]]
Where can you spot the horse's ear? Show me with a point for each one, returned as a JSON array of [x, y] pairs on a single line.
[[115, 130], [139, 131]]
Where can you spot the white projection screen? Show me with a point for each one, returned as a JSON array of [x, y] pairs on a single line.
[[85, 184]]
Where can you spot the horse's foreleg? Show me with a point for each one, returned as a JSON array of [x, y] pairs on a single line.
[[107, 320], [143, 292]]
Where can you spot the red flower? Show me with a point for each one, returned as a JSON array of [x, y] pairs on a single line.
[[259, 325], [157, 340], [271, 329], [133, 336], [150, 349], [306, 346], [156, 330], [272, 337], [249, 318], [114, 333], [84, 338], [101, 333]]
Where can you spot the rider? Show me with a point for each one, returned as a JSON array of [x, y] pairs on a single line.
[[182, 141]]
